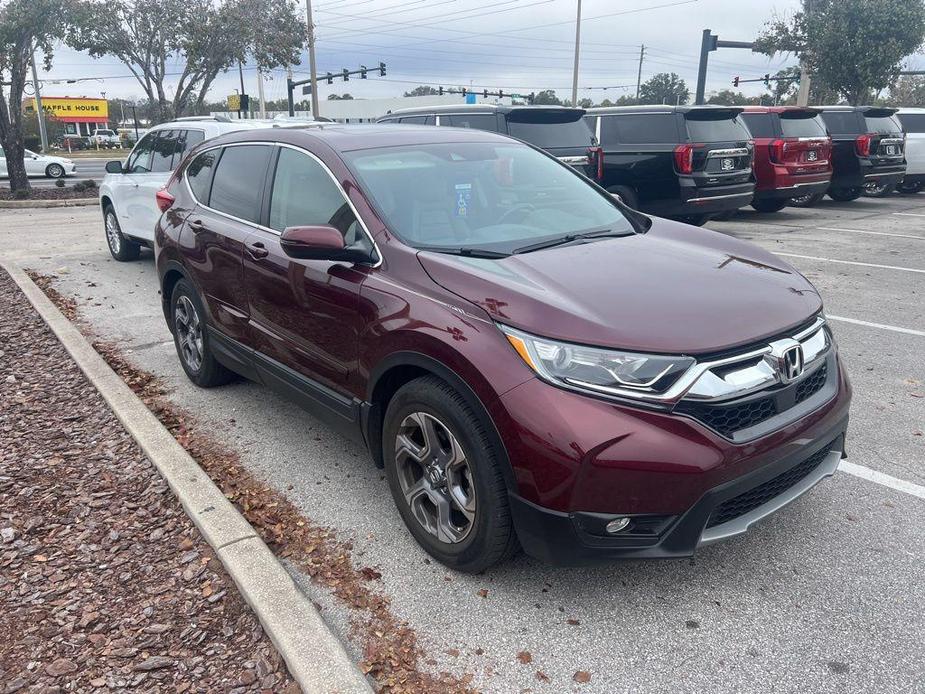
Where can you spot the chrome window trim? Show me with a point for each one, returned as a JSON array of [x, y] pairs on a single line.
[[260, 227]]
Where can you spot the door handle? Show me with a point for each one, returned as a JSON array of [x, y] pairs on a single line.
[[196, 226], [257, 249]]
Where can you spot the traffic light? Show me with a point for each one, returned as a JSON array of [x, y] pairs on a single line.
[[346, 75], [362, 72], [440, 91], [382, 69], [485, 94], [767, 80], [735, 81], [330, 78]]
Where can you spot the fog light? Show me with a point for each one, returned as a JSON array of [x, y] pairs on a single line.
[[617, 524]]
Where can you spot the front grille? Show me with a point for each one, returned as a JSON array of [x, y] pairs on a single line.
[[728, 419], [811, 385], [763, 493]]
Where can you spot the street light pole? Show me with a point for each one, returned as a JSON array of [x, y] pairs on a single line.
[[577, 47], [40, 112], [311, 58]]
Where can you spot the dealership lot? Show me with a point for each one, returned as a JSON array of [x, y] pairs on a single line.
[[826, 596]]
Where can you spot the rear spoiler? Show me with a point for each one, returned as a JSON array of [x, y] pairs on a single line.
[[712, 112]]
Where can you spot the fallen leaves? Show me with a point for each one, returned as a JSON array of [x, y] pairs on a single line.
[[582, 677], [525, 657]]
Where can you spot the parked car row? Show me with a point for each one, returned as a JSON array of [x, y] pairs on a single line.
[[497, 325]]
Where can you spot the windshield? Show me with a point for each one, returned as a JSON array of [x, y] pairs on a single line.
[[547, 135], [487, 196], [792, 126]]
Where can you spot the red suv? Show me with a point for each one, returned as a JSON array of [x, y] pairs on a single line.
[[793, 154], [533, 363]]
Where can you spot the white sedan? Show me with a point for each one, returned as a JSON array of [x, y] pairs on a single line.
[[41, 165]]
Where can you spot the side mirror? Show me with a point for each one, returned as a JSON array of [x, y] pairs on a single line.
[[113, 167], [320, 242]]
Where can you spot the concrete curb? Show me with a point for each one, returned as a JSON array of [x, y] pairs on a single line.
[[40, 204], [313, 654]]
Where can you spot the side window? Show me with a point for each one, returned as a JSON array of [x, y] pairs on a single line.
[[476, 121], [912, 122], [199, 174], [185, 142], [759, 124], [164, 149], [140, 161], [304, 195], [637, 129], [238, 182], [418, 120], [841, 122]]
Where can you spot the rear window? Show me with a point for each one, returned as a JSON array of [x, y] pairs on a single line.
[[552, 135], [759, 124], [802, 127], [842, 122], [652, 128], [913, 122], [701, 129], [882, 124], [476, 121]]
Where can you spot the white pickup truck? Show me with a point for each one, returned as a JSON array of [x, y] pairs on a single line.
[[106, 138]]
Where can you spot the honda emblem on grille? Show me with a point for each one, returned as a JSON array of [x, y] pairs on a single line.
[[786, 358], [728, 164]]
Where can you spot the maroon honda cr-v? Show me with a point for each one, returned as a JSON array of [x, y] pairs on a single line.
[[531, 362]]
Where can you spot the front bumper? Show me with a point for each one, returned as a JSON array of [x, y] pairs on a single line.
[[667, 472]]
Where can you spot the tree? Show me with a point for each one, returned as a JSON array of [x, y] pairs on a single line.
[[855, 47], [26, 26], [727, 97], [786, 90], [908, 90], [207, 38], [423, 90], [585, 103], [338, 97], [664, 88], [32, 135], [547, 97]]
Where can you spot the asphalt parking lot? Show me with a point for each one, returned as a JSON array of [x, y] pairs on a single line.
[[826, 596]]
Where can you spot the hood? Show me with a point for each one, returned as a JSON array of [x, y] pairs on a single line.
[[676, 289]]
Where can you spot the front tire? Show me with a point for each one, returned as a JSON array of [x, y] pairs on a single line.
[[910, 188], [845, 194], [445, 477], [191, 338], [121, 248], [769, 206], [875, 189], [54, 171]]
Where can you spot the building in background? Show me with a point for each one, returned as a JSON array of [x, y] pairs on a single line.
[[80, 115]]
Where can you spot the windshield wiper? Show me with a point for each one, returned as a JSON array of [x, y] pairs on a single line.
[[569, 238], [468, 251]]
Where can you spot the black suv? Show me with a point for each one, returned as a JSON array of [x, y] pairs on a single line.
[[686, 162], [868, 150], [558, 130]]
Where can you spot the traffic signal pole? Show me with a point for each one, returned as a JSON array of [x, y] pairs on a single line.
[[710, 42], [311, 61]]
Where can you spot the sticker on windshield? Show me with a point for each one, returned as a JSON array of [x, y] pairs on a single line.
[[463, 198]]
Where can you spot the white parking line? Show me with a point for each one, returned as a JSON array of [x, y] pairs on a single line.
[[879, 478], [909, 214], [895, 329], [850, 262], [875, 233]]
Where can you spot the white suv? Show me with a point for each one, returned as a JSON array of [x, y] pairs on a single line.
[[127, 192], [913, 120]]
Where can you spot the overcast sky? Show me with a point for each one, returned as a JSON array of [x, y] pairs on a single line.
[[514, 45]]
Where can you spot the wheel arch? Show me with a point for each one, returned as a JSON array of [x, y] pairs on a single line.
[[173, 273], [400, 368]]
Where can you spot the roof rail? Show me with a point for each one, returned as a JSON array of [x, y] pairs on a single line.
[[219, 119]]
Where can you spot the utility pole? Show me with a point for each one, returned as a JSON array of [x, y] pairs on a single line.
[[642, 54], [577, 47], [40, 112], [263, 103], [311, 58], [241, 99], [803, 94]]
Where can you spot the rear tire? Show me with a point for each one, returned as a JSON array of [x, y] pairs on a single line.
[[627, 196], [910, 188], [191, 338], [878, 190], [769, 206], [121, 248], [445, 477], [845, 194], [696, 220], [806, 200]]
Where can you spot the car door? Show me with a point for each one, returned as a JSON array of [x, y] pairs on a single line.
[[227, 184], [127, 199], [305, 313]]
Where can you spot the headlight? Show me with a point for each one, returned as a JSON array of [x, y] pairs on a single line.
[[599, 370]]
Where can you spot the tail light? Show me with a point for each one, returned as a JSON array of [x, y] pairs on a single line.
[[164, 200], [684, 158], [596, 157], [778, 151], [862, 144]]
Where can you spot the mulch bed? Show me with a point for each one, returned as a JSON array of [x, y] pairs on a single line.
[[392, 655], [104, 581], [66, 193]]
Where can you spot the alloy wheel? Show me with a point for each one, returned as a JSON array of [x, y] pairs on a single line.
[[55, 171], [189, 333], [113, 236], [436, 478]]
